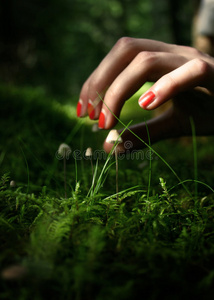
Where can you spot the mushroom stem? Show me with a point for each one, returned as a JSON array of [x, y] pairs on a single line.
[[64, 151], [65, 179], [88, 154], [116, 161], [92, 169], [114, 138]]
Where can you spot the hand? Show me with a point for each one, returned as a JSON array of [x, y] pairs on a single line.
[[180, 73]]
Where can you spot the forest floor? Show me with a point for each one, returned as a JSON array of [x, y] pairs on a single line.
[[155, 239]]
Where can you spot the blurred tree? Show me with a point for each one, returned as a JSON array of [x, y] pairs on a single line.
[[57, 43], [173, 20]]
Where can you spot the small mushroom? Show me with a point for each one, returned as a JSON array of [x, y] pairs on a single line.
[[12, 184], [64, 151], [89, 153], [114, 138]]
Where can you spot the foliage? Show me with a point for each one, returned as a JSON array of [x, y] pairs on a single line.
[[92, 245], [85, 248]]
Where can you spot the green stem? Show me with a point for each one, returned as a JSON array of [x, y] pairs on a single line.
[[163, 160], [92, 169], [150, 163], [116, 160], [194, 157], [65, 183]]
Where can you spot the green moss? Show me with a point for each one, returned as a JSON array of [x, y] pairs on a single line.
[[91, 246]]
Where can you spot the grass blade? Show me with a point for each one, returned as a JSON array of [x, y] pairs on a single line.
[[147, 145]]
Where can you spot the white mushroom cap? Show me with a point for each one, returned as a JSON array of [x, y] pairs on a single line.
[[64, 149], [12, 183], [88, 152], [113, 137]]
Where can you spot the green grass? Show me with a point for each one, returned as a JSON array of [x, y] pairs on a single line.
[[90, 246]]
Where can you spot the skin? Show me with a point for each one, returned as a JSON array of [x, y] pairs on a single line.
[[180, 73]]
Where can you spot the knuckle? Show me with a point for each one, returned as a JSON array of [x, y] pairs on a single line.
[[201, 66], [94, 86], [192, 51], [146, 57], [94, 82], [124, 42]]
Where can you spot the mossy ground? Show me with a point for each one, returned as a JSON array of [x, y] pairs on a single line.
[[91, 246]]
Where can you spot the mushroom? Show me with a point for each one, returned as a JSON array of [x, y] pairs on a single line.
[[64, 151], [88, 154], [12, 184], [115, 139]]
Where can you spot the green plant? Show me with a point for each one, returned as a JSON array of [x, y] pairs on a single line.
[[88, 245], [64, 151], [115, 139], [89, 154]]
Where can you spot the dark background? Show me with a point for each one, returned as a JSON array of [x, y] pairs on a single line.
[[55, 44]]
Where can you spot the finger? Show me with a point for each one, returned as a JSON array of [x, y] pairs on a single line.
[[82, 105], [146, 66], [94, 88], [192, 74], [115, 62], [112, 65]]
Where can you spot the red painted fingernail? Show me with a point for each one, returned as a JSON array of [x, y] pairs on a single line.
[[101, 123], [79, 108], [91, 111], [146, 99]]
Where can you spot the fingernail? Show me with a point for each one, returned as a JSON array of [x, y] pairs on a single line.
[[146, 99], [79, 108], [91, 111], [102, 118]]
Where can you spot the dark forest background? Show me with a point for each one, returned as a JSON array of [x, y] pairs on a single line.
[[55, 44]]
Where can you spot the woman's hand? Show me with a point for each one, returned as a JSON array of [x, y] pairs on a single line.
[[179, 72]]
